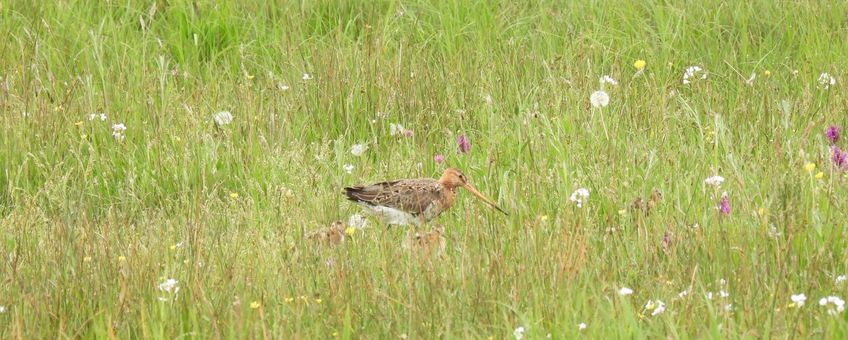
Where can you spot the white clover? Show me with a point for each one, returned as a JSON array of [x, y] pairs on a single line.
[[624, 291], [357, 221], [358, 149], [599, 99], [578, 196], [692, 73], [826, 80], [607, 80], [834, 304], [348, 168], [223, 118], [581, 326], [798, 299], [306, 76], [518, 333], [714, 180]]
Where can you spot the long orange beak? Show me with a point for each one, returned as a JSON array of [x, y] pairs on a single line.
[[484, 198]]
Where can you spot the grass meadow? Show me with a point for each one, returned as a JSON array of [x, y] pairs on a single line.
[[161, 218]]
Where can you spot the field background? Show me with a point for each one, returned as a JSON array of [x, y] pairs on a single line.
[[90, 225]]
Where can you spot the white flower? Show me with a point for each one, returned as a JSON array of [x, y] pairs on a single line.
[[118, 131], [798, 299], [307, 76], [488, 98], [833, 303], [168, 285], [826, 80], [25, 114], [357, 221], [396, 129], [2, 309], [722, 282], [657, 306], [599, 99], [624, 291], [348, 168], [714, 180], [750, 80], [282, 87], [94, 116], [223, 118], [608, 80], [579, 195], [841, 278], [518, 333], [683, 294], [358, 149], [581, 326], [723, 294], [709, 295], [693, 72], [728, 307]]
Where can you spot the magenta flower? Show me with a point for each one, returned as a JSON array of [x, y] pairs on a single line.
[[839, 158], [407, 133], [724, 205], [463, 144], [439, 159], [832, 134]]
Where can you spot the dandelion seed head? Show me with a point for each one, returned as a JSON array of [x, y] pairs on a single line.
[[222, 118], [599, 99]]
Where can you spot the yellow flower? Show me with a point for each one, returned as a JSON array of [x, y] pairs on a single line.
[[544, 218], [289, 300], [122, 258], [255, 305], [350, 231], [810, 167], [83, 136], [335, 334], [233, 195], [820, 175], [639, 64], [79, 123], [86, 259], [767, 73], [622, 211], [761, 211], [318, 301]]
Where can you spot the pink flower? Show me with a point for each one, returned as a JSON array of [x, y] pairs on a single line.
[[407, 133], [724, 205], [439, 159], [463, 144], [832, 134]]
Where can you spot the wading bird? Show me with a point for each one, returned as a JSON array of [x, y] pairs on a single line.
[[412, 201]]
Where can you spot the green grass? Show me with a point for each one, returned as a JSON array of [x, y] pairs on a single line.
[[91, 225]]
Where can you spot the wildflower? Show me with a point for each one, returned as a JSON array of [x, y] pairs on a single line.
[[656, 307], [122, 258], [714, 180], [223, 118], [826, 80], [357, 221], [693, 72], [708, 295], [358, 149], [255, 305], [169, 286], [118, 131], [723, 294], [581, 326], [798, 300], [750, 80], [810, 167], [348, 168], [832, 134], [518, 333], [724, 204], [282, 87], [722, 282], [289, 299], [396, 129], [86, 259], [767, 73], [349, 231], [489, 100], [820, 175], [25, 114], [94, 116], [833, 304], [234, 195], [624, 291], [307, 76], [599, 99], [318, 301], [840, 279], [622, 211], [639, 64], [728, 307], [683, 294], [578, 196], [2, 309], [407, 133], [607, 80], [463, 144], [839, 157], [439, 159]]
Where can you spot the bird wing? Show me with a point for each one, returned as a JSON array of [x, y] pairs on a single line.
[[410, 195]]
